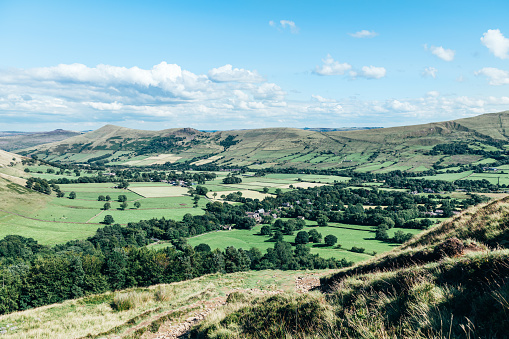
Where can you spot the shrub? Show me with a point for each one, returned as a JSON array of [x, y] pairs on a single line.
[[357, 249]]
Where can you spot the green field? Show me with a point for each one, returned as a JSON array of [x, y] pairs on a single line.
[[348, 236]]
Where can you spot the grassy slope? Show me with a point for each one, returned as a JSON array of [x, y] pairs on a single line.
[[414, 291], [384, 149], [16, 142], [428, 288]]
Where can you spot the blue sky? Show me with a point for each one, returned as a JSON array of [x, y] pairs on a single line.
[[250, 64]]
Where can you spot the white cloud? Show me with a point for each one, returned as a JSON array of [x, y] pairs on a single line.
[[495, 41], [364, 34], [102, 106], [166, 96], [401, 106], [332, 67], [319, 98], [227, 73], [284, 24], [430, 71], [372, 72], [442, 53], [496, 76]]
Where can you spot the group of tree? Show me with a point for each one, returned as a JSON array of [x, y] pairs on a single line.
[[116, 258]]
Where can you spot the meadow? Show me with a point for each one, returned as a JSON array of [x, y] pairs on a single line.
[[348, 237]]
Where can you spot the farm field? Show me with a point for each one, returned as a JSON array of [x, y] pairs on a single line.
[[348, 236]]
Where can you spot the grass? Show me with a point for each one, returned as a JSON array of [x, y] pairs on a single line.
[[119, 313], [348, 236]]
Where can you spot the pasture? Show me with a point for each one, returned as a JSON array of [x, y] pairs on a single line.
[[348, 236]]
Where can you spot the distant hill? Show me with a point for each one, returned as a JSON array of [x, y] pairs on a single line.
[[324, 129], [11, 140], [407, 148]]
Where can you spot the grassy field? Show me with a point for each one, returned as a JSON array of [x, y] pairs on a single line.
[[348, 236]]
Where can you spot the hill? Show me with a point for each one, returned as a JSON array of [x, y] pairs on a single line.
[[12, 141], [408, 148], [451, 281]]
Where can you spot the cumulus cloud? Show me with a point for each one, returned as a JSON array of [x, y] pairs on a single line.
[[332, 67], [442, 53], [401, 106], [285, 24], [495, 76], [364, 34], [166, 96], [497, 43], [227, 73], [82, 93], [430, 71], [372, 72]]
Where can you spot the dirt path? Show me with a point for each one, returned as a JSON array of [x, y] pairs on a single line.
[[179, 328], [94, 216]]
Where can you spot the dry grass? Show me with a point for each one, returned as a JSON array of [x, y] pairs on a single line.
[[94, 314]]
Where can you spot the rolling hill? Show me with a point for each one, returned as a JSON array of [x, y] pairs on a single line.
[[385, 149], [12, 141]]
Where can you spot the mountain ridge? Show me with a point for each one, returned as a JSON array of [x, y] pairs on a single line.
[[288, 147]]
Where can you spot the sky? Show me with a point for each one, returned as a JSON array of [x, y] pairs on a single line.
[[219, 65]]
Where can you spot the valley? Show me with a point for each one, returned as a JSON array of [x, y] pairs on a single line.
[[119, 213]]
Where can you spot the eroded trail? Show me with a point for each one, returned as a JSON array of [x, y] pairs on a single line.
[[197, 312]]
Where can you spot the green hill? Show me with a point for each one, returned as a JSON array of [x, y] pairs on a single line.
[[385, 149], [12, 141], [449, 282]]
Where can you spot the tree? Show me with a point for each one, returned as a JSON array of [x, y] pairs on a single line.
[[265, 190], [196, 199], [202, 248], [278, 191], [314, 236], [122, 198], [124, 184], [322, 220], [123, 206], [108, 219], [106, 206], [265, 230], [302, 237], [108, 198], [72, 195], [215, 195], [330, 240], [137, 204], [201, 190], [101, 198], [60, 194], [278, 236]]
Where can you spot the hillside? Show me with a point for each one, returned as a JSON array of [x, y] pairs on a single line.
[[451, 281], [382, 150], [12, 141]]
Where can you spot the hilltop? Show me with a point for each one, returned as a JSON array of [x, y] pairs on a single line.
[[12, 141], [408, 148]]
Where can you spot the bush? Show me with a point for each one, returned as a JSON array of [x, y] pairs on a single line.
[[123, 302], [129, 300], [357, 249]]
